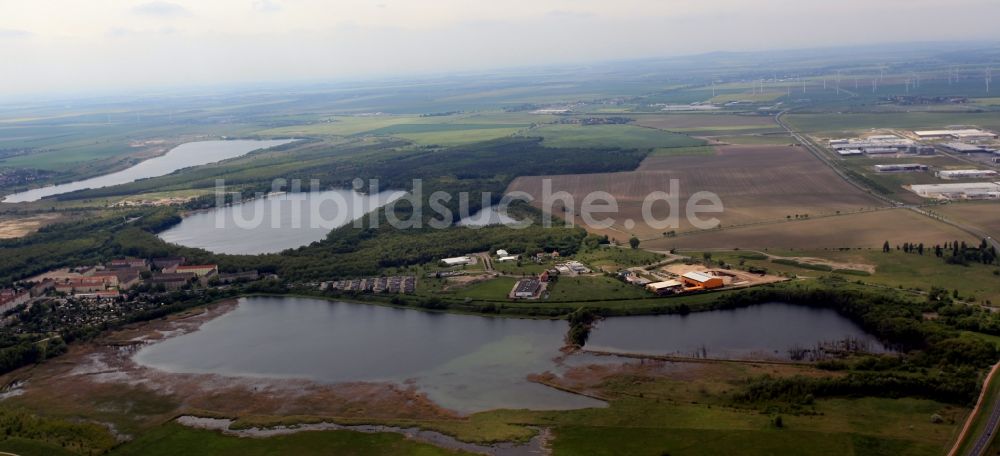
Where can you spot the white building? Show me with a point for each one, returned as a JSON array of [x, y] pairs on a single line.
[[966, 174], [970, 134], [459, 261], [901, 168], [976, 190]]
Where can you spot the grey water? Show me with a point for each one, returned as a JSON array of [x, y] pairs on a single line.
[[767, 331], [274, 223], [462, 362], [182, 156]]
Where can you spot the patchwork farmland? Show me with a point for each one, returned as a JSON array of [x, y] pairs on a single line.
[[755, 184]]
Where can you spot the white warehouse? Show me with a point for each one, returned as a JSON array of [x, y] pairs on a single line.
[[954, 174]]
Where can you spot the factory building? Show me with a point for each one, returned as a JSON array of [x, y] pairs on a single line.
[[901, 168], [665, 288], [967, 134], [527, 289], [965, 148], [977, 190], [874, 145], [700, 280], [954, 174]]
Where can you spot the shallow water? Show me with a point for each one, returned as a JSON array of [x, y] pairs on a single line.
[[462, 362], [182, 156]]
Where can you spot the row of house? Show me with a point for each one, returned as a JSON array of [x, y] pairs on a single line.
[[394, 284]]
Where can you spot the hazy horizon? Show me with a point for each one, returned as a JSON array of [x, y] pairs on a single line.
[[109, 45]]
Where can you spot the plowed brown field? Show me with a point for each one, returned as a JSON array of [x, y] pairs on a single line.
[[755, 183]]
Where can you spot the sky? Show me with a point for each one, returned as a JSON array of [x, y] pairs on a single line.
[[77, 45]]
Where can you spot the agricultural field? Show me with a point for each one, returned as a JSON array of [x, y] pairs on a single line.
[[64, 148], [983, 215], [862, 230], [708, 124], [424, 130], [754, 183], [623, 136]]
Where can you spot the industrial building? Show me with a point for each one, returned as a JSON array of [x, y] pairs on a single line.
[[965, 148], [978, 190], [665, 288], [459, 261], [901, 168], [700, 280], [527, 289], [874, 145], [953, 174], [966, 134]]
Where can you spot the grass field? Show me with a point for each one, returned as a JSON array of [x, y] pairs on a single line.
[[894, 269], [623, 136], [591, 288], [863, 230], [689, 122], [754, 183], [860, 122]]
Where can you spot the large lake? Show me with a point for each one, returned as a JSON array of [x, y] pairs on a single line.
[[766, 331], [465, 363], [182, 156], [274, 223]]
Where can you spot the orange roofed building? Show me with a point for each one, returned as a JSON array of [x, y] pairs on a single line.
[[700, 280]]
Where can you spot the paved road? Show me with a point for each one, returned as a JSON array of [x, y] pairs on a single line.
[[984, 439]]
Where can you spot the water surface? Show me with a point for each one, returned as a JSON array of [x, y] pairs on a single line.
[[182, 156], [274, 223], [464, 363], [759, 332]]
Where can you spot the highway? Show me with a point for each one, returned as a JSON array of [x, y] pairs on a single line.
[[984, 439]]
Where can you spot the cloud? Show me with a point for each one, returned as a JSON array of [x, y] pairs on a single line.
[[12, 33], [162, 9], [266, 6]]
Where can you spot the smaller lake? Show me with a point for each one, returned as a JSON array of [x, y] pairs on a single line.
[[767, 331], [275, 223], [487, 216], [182, 156]]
